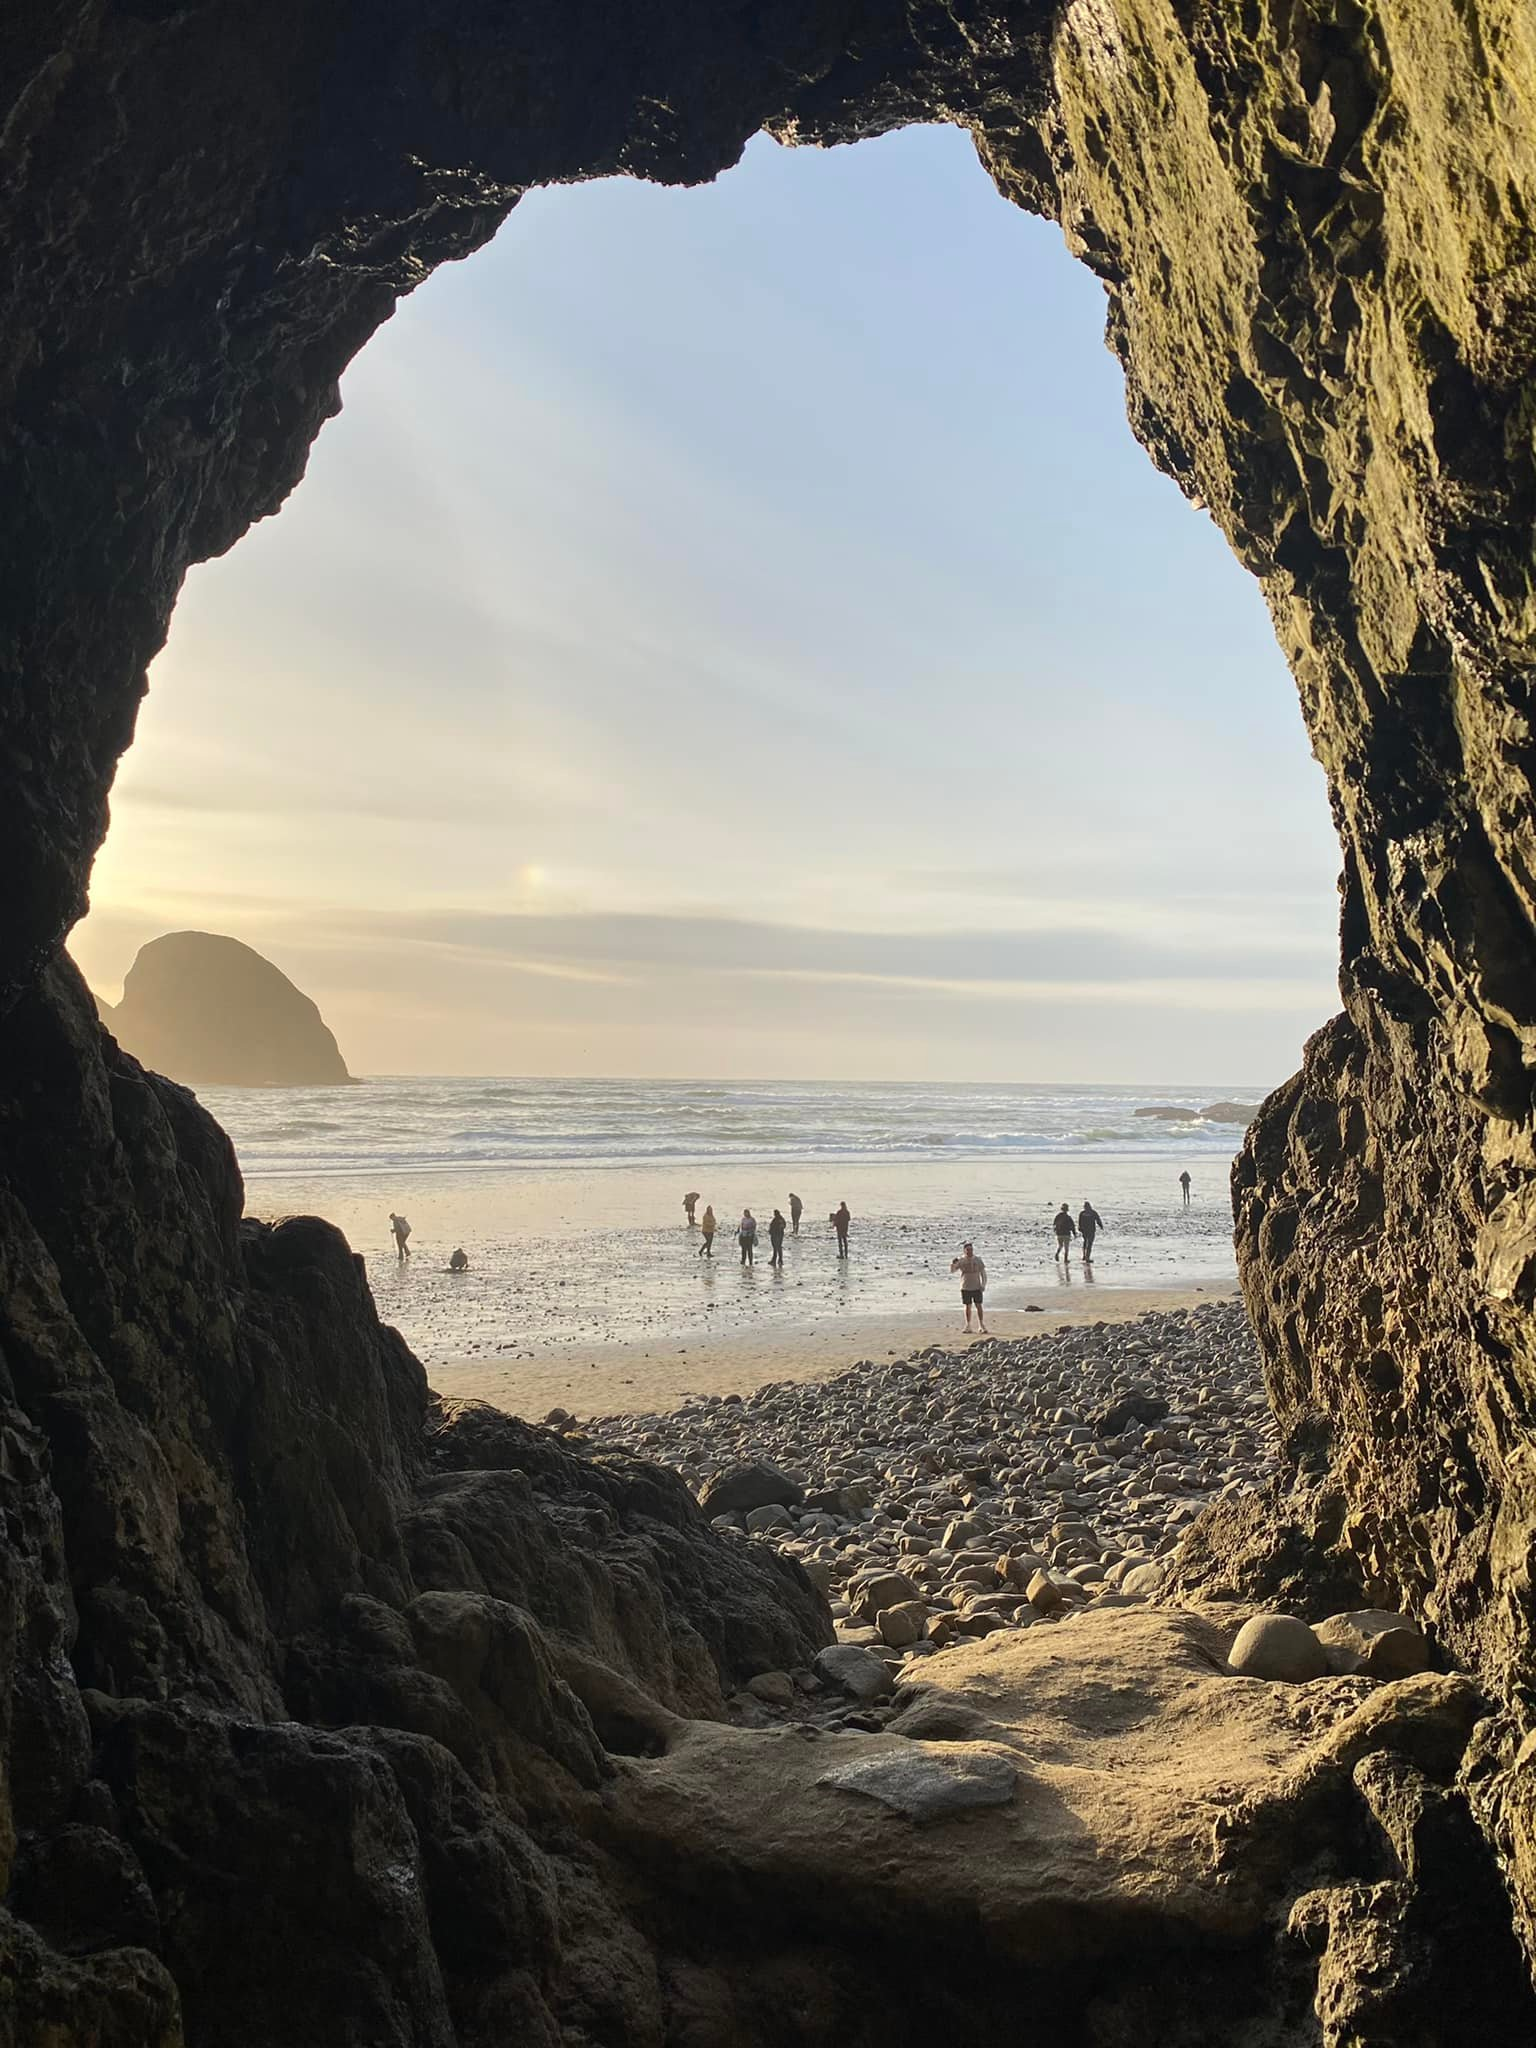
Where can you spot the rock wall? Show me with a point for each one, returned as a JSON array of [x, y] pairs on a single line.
[[1314, 224], [299, 1667]]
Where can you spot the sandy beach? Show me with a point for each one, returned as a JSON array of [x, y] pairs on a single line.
[[650, 1375]]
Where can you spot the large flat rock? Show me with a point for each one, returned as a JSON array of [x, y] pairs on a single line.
[[1149, 1797]]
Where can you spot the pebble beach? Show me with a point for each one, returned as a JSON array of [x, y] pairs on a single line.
[[954, 1492]]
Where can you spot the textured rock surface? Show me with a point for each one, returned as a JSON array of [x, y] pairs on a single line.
[[206, 1010], [1313, 222], [298, 1663], [1103, 1804]]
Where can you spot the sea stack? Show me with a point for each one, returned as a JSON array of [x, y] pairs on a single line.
[[207, 1010]]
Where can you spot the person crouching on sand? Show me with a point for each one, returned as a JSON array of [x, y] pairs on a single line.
[[1066, 1230], [459, 1263], [707, 1225], [973, 1284], [746, 1236], [402, 1231]]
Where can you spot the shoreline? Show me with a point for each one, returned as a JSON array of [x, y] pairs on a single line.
[[653, 1375]]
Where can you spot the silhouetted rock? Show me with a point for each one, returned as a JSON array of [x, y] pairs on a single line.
[[207, 1010], [1168, 1114]]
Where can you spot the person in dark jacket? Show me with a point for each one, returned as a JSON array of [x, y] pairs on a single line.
[[1065, 1230], [776, 1238], [1089, 1224]]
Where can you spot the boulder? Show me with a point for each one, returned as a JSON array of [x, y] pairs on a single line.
[[1167, 1113], [764, 1521], [902, 1625], [1044, 1595], [1230, 1112], [853, 1670], [740, 1488], [868, 1594], [1375, 1640], [1116, 1419], [1276, 1646]]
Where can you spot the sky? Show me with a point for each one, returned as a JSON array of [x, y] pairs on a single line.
[[734, 633]]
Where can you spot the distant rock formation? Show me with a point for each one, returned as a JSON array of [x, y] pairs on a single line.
[[205, 1009], [1170, 1115], [1230, 1113]]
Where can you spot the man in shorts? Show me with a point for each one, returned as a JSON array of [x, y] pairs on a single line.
[[973, 1285]]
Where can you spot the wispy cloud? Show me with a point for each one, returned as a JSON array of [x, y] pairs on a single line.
[[1052, 954]]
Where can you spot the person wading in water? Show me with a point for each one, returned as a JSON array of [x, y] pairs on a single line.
[[1089, 1224], [840, 1219]]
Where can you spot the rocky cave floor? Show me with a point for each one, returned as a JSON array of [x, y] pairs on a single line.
[[954, 1494], [1028, 1735], [876, 1713]]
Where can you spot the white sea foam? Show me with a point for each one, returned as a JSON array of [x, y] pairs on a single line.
[[411, 1125]]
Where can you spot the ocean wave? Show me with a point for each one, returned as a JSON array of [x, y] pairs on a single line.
[[408, 1125]]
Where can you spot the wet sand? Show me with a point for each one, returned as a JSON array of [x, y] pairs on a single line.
[[653, 1374]]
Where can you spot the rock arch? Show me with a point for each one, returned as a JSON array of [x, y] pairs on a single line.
[[1314, 224]]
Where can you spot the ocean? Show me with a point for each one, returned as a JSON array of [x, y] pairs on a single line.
[[411, 1125], [567, 1197]]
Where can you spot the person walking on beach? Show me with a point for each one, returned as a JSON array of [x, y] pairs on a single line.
[[973, 1284], [1066, 1230], [690, 1203], [796, 1210], [840, 1219], [1184, 1184], [707, 1225], [402, 1231], [746, 1236], [776, 1238], [1089, 1224]]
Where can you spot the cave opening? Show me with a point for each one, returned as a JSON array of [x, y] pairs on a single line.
[[742, 611], [296, 1656]]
